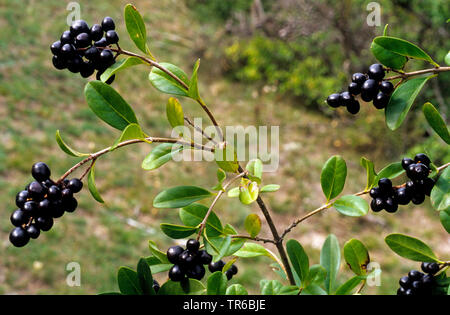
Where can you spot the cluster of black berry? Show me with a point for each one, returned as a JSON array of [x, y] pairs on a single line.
[[371, 86], [41, 202], [387, 197], [418, 283], [84, 50], [190, 263]]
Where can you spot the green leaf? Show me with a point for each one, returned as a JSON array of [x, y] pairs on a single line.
[[66, 148], [248, 191], [444, 216], [333, 177], [216, 284], [226, 159], [193, 215], [221, 247], [180, 196], [270, 287], [289, 290], [356, 256], [314, 290], [391, 171], [447, 59], [299, 260], [119, 66], [187, 287], [145, 277], [347, 287], [131, 132], [403, 47], [385, 30], [233, 192], [370, 171], [236, 289], [165, 83], [160, 155], [136, 27], [330, 259], [177, 231], [193, 86], [221, 176], [436, 121], [128, 281], [316, 275], [350, 205], [387, 57], [440, 195], [250, 250], [255, 170], [269, 188], [402, 99], [229, 230], [410, 248], [91, 185], [174, 112], [156, 266], [108, 105], [157, 253], [252, 224]]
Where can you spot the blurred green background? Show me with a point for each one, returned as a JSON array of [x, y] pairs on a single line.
[[263, 62]]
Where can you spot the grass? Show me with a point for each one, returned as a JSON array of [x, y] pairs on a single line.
[[36, 100]]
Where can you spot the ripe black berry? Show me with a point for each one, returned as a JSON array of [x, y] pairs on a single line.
[[377, 204], [56, 47], [106, 57], [346, 98], [204, 258], [66, 38], [57, 210], [54, 193], [192, 245], [405, 282], [196, 272], [36, 190], [422, 158], [406, 162], [386, 87], [334, 100], [376, 72], [173, 253], [108, 24], [66, 194], [33, 231], [354, 88], [418, 198], [59, 62], [111, 37], [426, 185], [101, 43], [359, 78], [74, 65], [75, 185], [187, 258], [369, 90], [69, 204], [87, 69], [233, 269], [19, 237], [402, 196], [430, 268], [381, 100], [418, 171], [78, 27], [21, 198], [216, 266], [40, 171], [43, 207], [415, 275], [375, 192], [44, 223], [353, 107], [229, 274], [401, 291], [391, 205], [385, 184], [19, 217], [30, 207], [96, 32], [92, 53], [176, 273], [82, 40]]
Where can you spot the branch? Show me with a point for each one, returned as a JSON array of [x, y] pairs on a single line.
[[256, 239], [96, 155], [330, 204], [405, 75]]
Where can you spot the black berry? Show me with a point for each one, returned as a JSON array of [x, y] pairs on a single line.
[[406, 162], [66, 38], [33, 231], [192, 245], [354, 88], [216, 266], [56, 47], [376, 72], [402, 196], [353, 107], [44, 223], [422, 158], [36, 190], [385, 184], [69, 204], [82, 40], [381, 100], [101, 43], [369, 90], [176, 273], [334, 100], [391, 205], [187, 258], [21, 198], [386, 87], [173, 253], [75, 185], [359, 78], [96, 32], [377, 204], [196, 272], [108, 24], [19, 217], [204, 258], [111, 37], [19, 237], [78, 27]]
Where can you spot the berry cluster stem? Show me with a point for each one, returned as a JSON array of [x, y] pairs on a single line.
[[406, 75]]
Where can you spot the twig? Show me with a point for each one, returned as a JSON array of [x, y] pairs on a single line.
[[406, 75], [199, 130], [256, 239]]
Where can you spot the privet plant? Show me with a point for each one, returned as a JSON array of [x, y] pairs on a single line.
[[212, 251]]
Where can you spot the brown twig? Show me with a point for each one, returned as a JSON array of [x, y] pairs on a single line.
[[406, 75], [256, 239]]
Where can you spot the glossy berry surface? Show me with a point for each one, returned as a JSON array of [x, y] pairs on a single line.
[[176, 273], [96, 32], [381, 100], [376, 72], [422, 158], [369, 90], [359, 78], [354, 88], [386, 87], [192, 245], [19, 237], [111, 37], [75, 185], [334, 100], [78, 27], [108, 24], [19, 217], [173, 253], [216, 266]]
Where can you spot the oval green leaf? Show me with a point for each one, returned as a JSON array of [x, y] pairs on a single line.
[[216, 284], [333, 177], [193, 215], [131, 132], [66, 148], [370, 172], [160, 155], [352, 206], [252, 224], [299, 260], [119, 66], [270, 188], [108, 105], [128, 281], [356, 256], [188, 287], [445, 219], [440, 195], [136, 27], [236, 289], [226, 159], [91, 185], [410, 248], [250, 250], [167, 84], [436, 121], [180, 196], [255, 169], [388, 58], [347, 287], [248, 191], [145, 277], [330, 259], [193, 84], [391, 171], [177, 231], [402, 99], [174, 113]]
